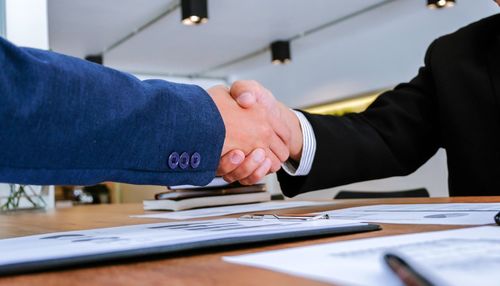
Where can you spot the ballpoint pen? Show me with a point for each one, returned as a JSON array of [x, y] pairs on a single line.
[[405, 272]]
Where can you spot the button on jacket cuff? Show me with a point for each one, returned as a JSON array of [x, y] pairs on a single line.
[[184, 160], [173, 160], [195, 160]]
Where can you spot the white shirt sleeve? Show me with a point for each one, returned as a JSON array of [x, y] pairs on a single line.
[[308, 149]]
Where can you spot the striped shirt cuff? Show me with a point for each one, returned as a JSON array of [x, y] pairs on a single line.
[[308, 149]]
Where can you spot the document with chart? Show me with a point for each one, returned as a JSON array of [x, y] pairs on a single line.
[[450, 214], [52, 250], [468, 256]]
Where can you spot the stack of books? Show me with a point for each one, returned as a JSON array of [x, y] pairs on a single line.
[[217, 193]]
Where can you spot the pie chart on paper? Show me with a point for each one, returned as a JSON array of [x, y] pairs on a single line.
[[449, 215]]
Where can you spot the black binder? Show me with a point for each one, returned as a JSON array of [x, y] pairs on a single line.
[[36, 264]]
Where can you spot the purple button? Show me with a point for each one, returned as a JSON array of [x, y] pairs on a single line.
[[195, 160], [173, 160], [184, 160]]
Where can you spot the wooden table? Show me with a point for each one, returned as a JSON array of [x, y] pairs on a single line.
[[195, 268]]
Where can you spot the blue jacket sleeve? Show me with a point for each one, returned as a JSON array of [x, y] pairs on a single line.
[[64, 120]]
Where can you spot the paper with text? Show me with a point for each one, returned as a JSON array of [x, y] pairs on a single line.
[[452, 214], [456, 257], [72, 244]]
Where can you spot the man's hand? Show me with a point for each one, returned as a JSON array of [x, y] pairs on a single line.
[[256, 138], [250, 95]]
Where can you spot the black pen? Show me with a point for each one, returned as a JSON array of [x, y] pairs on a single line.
[[405, 272], [497, 218]]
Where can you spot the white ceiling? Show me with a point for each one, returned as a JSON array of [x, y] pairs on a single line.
[[236, 28]]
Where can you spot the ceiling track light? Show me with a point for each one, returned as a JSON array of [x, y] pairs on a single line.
[[98, 59], [280, 52], [439, 4], [194, 12]]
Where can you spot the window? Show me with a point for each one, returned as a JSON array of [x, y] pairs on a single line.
[[2, 18]]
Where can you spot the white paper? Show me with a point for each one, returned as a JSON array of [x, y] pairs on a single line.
[[227, 210], [451, 214], [456, 257], [106, 240]]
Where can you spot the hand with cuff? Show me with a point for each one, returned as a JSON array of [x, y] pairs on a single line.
[[255, 137], [249, 169]]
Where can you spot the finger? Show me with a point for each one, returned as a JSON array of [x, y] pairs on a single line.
[[249, 165], [258, 174], [279, 148], [245, 92], [248, 92], [278, 115], [275, 162], [230, 161], [246, 100]]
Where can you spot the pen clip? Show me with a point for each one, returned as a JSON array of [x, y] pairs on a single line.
[[288, 217]]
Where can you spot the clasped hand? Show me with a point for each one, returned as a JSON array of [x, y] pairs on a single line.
[[261, 133]]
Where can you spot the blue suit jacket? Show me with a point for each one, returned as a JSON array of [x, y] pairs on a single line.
[[64, 120]]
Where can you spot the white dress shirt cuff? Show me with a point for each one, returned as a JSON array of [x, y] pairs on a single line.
[[308, 149]]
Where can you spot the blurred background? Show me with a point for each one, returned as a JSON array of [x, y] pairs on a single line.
[[332, 56]]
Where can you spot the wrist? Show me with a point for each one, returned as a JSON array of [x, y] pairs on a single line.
[[296, 136]]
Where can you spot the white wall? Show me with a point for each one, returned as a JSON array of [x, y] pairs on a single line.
[[2, 18], [204, 83], [375, 50], [27, 23]]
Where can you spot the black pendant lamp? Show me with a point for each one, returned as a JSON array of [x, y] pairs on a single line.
[[194, 12], [438, 4], [95, 59], [280, 52]]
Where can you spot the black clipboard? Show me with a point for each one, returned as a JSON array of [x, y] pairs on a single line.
[[37, 265]]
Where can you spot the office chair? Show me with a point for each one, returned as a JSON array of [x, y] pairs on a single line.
[[415, 193]]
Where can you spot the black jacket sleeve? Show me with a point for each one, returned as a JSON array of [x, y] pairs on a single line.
[[393, 137]]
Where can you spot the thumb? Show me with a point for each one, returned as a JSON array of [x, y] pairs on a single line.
[[245, 99]]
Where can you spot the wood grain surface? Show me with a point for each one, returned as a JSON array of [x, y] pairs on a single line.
[[193, 268]]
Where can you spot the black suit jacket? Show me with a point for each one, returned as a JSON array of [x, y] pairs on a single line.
[[453, 102]]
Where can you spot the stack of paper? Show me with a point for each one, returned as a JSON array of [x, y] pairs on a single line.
[[227, 210], [190, 198]]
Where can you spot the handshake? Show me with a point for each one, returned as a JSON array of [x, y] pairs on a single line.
[[261, 133]]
